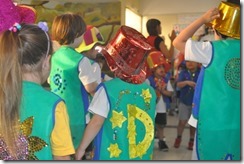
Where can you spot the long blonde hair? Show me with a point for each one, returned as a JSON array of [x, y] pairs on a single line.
[[10, 89], [19, 51]]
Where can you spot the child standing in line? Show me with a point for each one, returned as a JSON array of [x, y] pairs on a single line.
[[154, 30], [28, 130], [186, 83], [50, 118], [216, 103], [72, 76], [123, 108], [43, 114], [14, 145], [163, 88]]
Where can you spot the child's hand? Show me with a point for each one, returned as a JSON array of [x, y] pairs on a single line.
[[160, 84], [172, 36], [79, 154], [161, 88], [191, 84], [210, 15]]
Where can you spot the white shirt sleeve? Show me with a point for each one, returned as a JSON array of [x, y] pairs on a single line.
[[97, 72], [169, 87], [200, 52], [86, 74], [192, 121], [100, 104]]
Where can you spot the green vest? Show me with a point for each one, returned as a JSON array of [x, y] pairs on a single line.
[[39, 104], [128, 131], [218, 129], [65, 82]]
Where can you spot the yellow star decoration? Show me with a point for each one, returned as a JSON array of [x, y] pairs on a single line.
[[114, 150], [34, 143], [117, 119], [146, 95]]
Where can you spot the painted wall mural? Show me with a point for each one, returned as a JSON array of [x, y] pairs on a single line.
[[105, 16]]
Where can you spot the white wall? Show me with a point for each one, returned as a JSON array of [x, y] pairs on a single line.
[[133, 20], [160, 7], [173, 12]]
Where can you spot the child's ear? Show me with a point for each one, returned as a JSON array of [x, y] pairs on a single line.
[[46, 62]]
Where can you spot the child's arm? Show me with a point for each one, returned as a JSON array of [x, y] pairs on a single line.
[[180, 41], [182, 84], [90, 133], [167, 90], [163, 48]]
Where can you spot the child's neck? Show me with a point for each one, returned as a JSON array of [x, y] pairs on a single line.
[[70, 45], [32, 77]]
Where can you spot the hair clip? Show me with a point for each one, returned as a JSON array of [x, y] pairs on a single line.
[[15, 27], [43, 26]]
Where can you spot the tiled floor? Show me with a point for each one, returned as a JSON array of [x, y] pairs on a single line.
[[181, 153]]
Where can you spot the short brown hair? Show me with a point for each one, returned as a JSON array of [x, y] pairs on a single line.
[[67, 27]]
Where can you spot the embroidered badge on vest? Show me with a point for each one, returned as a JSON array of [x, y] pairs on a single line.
[[60, 84], [232, 73]]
